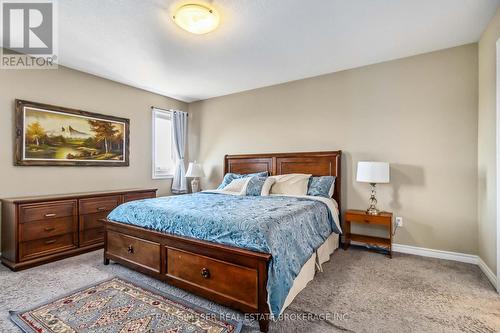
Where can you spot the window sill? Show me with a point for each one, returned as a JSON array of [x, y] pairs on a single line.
[[163, 177]]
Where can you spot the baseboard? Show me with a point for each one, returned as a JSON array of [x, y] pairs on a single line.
[[488, 272], [440, 254]]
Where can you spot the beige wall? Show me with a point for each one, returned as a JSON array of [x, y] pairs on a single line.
[[74, 89], [487, 153], [418, 113]]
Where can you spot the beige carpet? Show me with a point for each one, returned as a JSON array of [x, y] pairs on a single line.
[[358, 291]]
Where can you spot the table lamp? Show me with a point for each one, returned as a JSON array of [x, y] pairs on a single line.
[[195, 171], [373, 173]]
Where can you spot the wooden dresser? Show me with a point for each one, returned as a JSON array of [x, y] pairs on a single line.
[[37, 230]]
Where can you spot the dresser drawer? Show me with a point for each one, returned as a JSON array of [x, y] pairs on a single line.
[[137, 251], [92, 228], [47, 210], [138, 196], [214, 275], [47, 228], [91, 236], [98, 205], [46, 246], [92, 221]]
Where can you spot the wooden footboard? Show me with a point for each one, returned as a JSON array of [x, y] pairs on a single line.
[[230, 276]]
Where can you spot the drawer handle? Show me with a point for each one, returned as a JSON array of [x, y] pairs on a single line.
[[130, 249], [205, 273], [50, 215], [366, 221], [50, 242], [100, 209], [49, 229]]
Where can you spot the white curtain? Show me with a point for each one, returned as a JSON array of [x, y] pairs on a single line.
[[179, 135]]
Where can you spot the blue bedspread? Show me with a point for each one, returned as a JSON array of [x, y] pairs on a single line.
[[288, 228]]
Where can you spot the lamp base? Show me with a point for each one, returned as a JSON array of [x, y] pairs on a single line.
[[195, 185], [372, 209]]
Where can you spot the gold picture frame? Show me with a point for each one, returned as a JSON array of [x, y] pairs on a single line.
[[48, 135]]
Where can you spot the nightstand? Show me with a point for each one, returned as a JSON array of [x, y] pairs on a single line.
[[360, 217]]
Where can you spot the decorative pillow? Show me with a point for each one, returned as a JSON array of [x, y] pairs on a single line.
[[259, 186], [229, 177], [290, 184], [238, 186], [321, 186]]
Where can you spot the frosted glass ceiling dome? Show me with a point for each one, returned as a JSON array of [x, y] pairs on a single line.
[[196, 19]]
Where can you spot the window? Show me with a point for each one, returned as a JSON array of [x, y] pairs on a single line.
[[163, 160]]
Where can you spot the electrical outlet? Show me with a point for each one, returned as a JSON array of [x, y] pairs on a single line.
[[399, 221]]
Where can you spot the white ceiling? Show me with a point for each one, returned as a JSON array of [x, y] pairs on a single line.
[[258, 43]]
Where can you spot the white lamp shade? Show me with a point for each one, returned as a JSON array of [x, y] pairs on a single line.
[[373, 172], [195, 170]]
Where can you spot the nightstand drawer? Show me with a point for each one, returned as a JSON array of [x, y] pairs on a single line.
[[382, 219]]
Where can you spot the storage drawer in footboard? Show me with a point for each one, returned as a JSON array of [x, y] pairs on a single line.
[[229, 280], [140, 252]]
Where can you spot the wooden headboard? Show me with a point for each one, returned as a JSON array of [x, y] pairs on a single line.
[[316, 163]]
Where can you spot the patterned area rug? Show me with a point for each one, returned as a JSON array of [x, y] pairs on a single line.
[[118, 306]]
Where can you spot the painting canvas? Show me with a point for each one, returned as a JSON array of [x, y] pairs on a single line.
[[50, 135]]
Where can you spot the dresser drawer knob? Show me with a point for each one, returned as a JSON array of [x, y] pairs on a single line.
[[101, 209], [130, 249], [50, 215], [50, 242], [205, 273], [49, 229], [366, 221]]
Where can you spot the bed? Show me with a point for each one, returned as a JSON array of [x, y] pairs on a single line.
[[228, 270]]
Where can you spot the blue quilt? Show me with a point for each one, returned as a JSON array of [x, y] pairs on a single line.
[[288, 228]]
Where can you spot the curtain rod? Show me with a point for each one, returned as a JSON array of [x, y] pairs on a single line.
[[155, 107]]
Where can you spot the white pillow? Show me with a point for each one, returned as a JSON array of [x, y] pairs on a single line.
[[238, 185], [266, 188], [332, 188], [290, 184]]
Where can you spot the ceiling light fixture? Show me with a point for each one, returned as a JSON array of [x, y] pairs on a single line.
[[197, 19]]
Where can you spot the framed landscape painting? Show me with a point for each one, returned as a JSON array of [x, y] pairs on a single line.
[[53, 135]]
